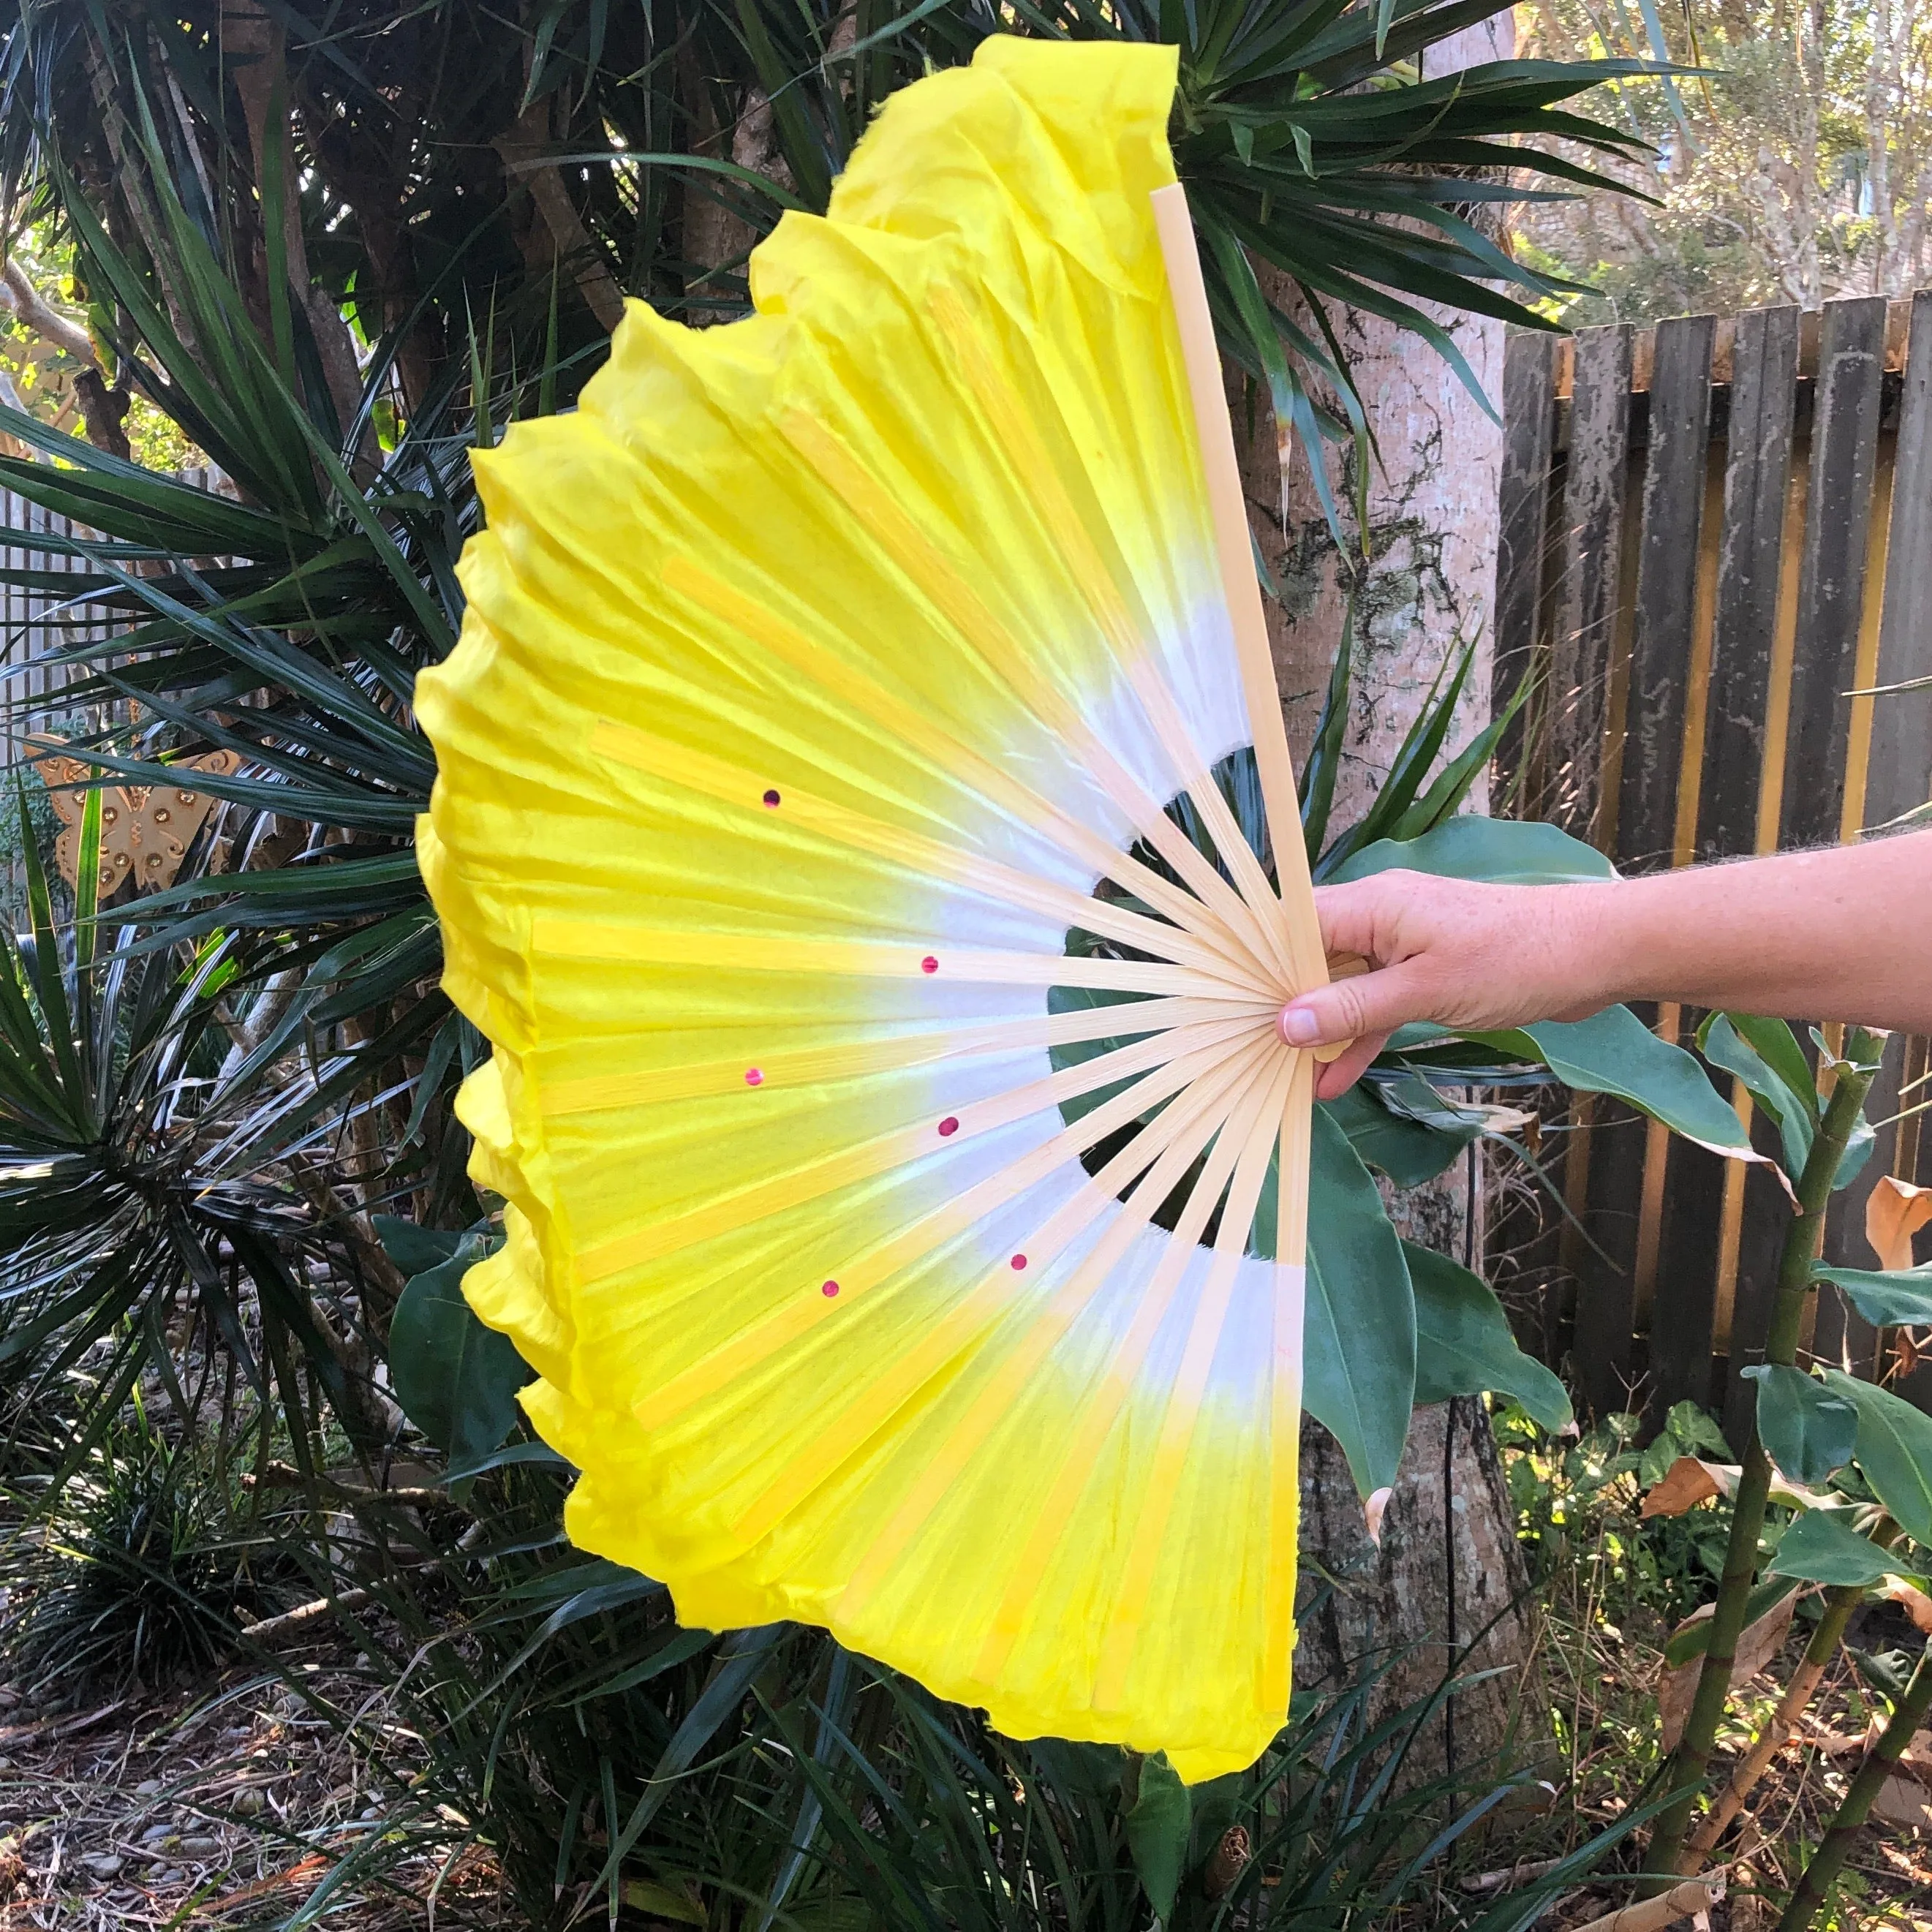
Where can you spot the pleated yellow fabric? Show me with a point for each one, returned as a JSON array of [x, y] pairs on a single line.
[[816, 672]]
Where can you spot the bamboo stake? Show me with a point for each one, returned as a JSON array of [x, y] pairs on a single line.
[[1802, 1238], [1839, 1604], [1822, 1873], [1651, 1915]]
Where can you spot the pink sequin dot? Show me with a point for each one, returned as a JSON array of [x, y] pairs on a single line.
[[772, 799], [754, 1076], [948, 1127], [928, 965], [830, 1289], [1019, 1262]]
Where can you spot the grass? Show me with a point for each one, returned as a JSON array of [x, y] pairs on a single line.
[[136, 1572]]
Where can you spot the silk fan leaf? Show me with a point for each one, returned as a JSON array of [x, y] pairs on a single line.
[[834, 688]]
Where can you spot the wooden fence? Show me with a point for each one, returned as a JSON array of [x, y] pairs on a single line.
[[33, 682], [31, 685], [1714, 531]]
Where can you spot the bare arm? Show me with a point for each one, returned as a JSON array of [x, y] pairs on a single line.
[[1841, 934]]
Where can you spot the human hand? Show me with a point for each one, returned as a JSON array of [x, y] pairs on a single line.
[[1456, 952]]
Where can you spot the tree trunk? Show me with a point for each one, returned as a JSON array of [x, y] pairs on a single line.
[[255, 48], [1448, 1568]]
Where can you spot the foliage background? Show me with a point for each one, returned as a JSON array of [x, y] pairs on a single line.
[[1797, 167]]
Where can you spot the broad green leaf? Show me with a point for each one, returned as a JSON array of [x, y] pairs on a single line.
[[1887, 1672], [1895, 1451], [1360, 1328], [1158, 1826], [1776, 1045], [1821, 1547], [1796, 1113], [1516, 851], [1859, 1148], [412, 1247], [1409, 1149], [1218, 1803], [1093, 1770], [1463, 1345], [1806, 1430], [1890, 1298], [1688, 1425], [457, 1380], [517, 1453], [1687, 1431], [1614, 1052]]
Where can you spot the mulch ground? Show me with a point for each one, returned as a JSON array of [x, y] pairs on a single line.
[[228, 1803]]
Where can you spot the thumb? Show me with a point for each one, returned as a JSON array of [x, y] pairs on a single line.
[[1376, 1002]]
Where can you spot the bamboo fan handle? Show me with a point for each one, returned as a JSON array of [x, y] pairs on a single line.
[[1233, 547], [1342, 966]]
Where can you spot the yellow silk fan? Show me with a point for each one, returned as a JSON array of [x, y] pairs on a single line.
[[886, 1094]]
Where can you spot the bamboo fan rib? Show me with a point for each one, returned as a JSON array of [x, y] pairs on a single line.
[[906, 1185]]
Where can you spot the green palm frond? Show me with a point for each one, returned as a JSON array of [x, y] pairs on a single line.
[[141, 1214]]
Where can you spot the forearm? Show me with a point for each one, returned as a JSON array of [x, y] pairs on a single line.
[[1841, 934]]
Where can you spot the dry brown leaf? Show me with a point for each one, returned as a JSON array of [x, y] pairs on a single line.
[[1917, 1605], [1793, 1496], [1895, 1213], [1758, 1644], [1373, 1509], [1903, 1802], [1687, 1483]]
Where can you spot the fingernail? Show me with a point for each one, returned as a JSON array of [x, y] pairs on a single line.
[[1299, 1027]]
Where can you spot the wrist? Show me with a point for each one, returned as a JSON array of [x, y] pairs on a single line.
[[1591, 963]]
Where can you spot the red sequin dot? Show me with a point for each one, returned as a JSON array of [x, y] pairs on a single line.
[[830, 1289], [771, 798], [928, 965], [948, 1126], [1019, 1262], [753, 1077]]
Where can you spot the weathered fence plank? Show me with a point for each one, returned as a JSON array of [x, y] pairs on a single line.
[[1899, 774], [1899, 771], [1757, 477], [1529, 375], [1664, 647], [1830, 591], [1661, 644], [1586, 599]]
